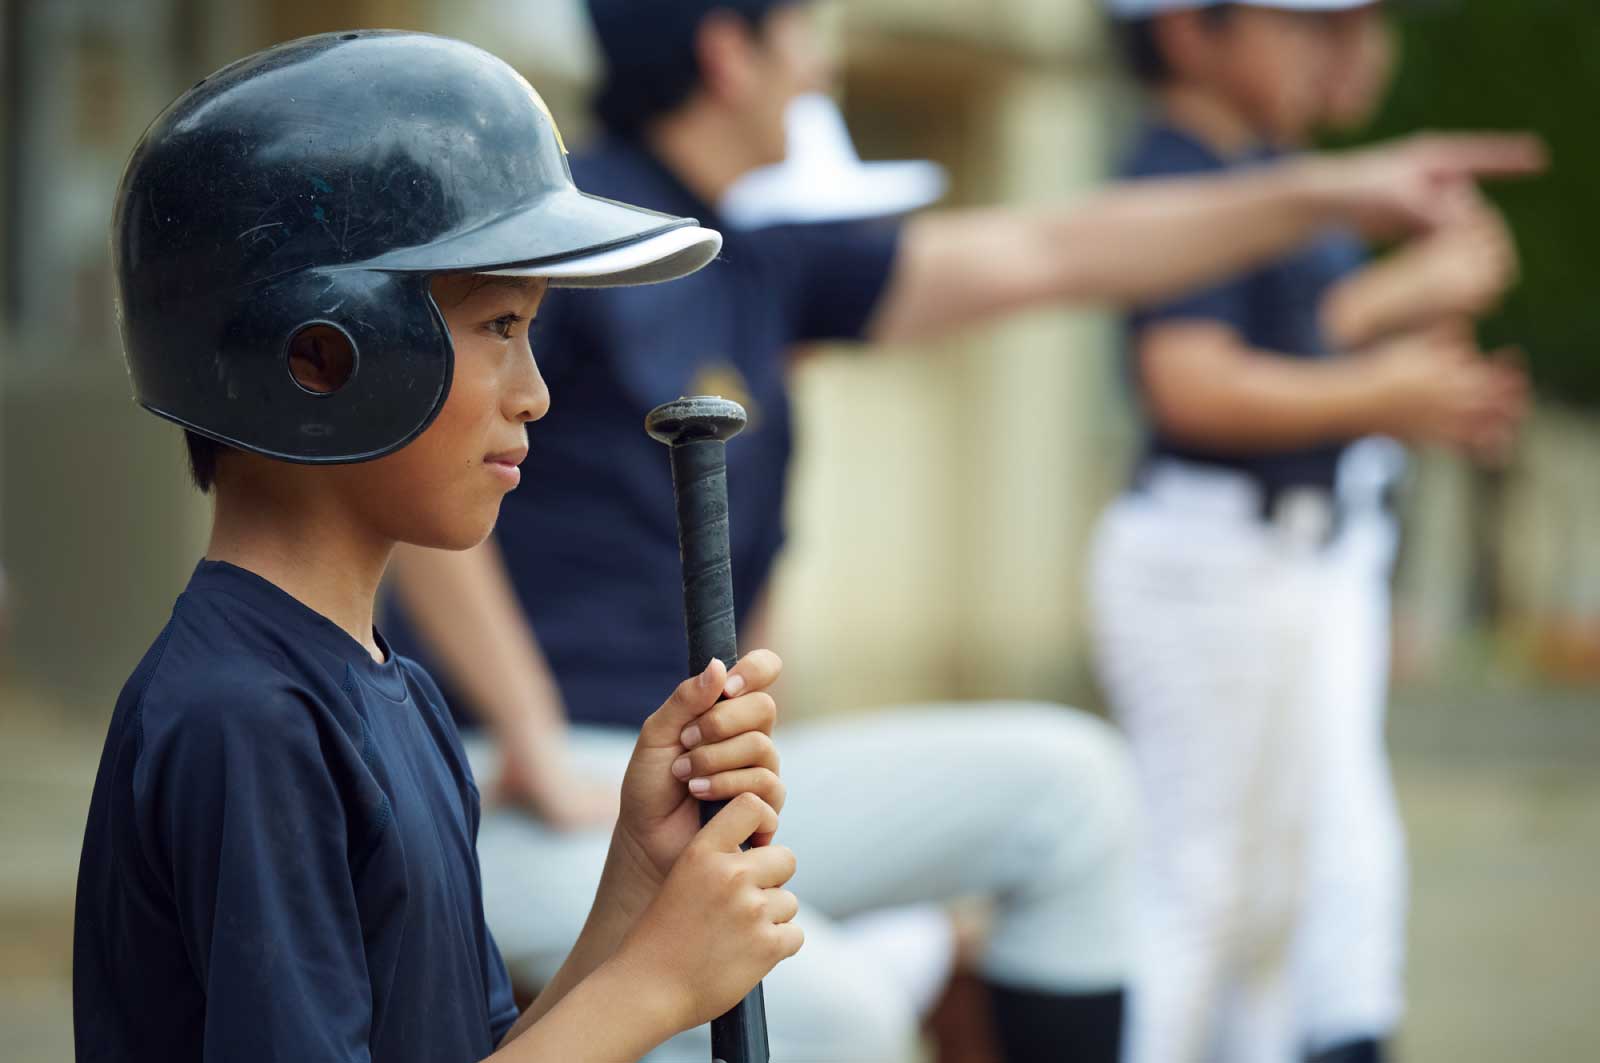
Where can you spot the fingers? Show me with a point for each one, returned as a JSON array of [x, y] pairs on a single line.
[[1485, 154], [692, 697], [770, 867], [789, 939], [752, 712], [756, 670], [744, 815], [762, 782], [753, 749], [782, 906]]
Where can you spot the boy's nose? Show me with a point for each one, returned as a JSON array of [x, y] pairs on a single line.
[[532, 396]]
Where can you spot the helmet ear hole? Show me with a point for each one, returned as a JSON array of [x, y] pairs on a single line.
[[322, 358]]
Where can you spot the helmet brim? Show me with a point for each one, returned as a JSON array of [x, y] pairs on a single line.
[[652, 260], [577, 240]]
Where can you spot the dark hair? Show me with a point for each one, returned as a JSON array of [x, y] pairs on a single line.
[[650, 52], [203, 454], [1142, 52]]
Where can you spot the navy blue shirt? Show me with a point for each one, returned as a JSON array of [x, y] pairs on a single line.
[[590, 537], [1274, 308], [279, 862]]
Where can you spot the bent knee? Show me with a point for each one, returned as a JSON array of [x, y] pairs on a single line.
[[1085, 771]]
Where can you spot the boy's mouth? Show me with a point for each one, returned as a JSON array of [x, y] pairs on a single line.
[[512, 457], [505, 464]]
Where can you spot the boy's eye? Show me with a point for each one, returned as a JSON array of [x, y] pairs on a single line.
[[503, 325]]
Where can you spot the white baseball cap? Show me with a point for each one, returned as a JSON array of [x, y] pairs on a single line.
[[1146, 8], [824, 180]]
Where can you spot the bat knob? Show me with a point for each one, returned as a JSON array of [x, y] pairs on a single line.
[[694, 418]]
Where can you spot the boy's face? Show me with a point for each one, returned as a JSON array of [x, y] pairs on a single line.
[[445, 487], [785, 58], [1274, 67], [1364, 54]]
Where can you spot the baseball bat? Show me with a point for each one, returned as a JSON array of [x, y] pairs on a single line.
[[697, 430]]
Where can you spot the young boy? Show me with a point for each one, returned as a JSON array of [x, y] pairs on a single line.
[[328, 255], [1220, 582]]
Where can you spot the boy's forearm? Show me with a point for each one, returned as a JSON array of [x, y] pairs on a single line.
[[1220, 394], [609, 1016], [1145, 240], [463, 605], [1379, 301], [621, 897], [1134, 242]]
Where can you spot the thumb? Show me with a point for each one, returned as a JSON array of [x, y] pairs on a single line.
[[742, 817], [688, 702]]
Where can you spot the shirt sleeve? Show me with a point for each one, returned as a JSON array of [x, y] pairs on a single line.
[[244, 818], [1161, 154], [839, 273], [1225, 304]]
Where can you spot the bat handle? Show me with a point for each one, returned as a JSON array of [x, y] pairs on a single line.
[[700, 484]]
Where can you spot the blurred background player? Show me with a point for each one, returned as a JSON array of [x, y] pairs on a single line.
[[1349, 959], [1241, 625], [695, 98]]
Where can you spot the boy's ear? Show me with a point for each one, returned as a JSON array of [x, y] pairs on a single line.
[[322, 359]]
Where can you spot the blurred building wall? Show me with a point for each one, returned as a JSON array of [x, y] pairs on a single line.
[[943, 495], [98, 526], [98, 530]]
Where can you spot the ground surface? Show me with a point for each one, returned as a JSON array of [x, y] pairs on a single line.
[[1501, 790]]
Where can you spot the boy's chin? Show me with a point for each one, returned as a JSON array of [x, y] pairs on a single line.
[[459, 534]]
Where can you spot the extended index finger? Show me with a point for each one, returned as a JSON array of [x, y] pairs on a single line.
[[1487, 154]]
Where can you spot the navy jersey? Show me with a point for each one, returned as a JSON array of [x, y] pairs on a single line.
[[1275, 307], [279, 861], [590, 537]]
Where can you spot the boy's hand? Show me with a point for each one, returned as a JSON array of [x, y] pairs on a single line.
[[1441, 389], [537, 775], [1464, 268], [1413, 183], [695, 748], [721, 920]]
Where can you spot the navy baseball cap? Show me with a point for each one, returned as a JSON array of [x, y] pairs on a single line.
[[648, 48]]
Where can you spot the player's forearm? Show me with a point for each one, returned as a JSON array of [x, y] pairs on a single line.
[[1245, 400], [1381, 300], [610, 1016], [462, 604], [1141, 241], [623, 894], [1134, 242]]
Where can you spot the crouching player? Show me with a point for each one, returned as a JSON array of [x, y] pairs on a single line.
[[328, 255]]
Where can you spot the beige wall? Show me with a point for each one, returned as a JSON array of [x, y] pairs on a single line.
[[943, 493], [98, 526]]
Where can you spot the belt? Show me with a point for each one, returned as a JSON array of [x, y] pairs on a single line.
[[1307, 514]]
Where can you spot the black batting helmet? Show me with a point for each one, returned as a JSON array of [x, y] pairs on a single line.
[[323, 182]]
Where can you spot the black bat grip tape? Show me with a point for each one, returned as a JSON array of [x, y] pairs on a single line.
[[700, 483]]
